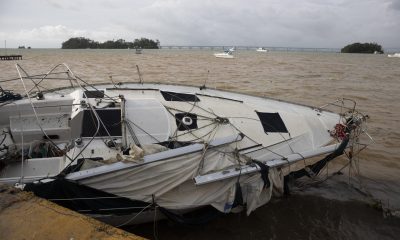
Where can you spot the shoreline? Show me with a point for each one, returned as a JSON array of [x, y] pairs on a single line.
[[25, 216]]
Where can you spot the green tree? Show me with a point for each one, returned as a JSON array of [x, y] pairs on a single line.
[[82, 43], [362, 48], [79, 42], [146, 43]]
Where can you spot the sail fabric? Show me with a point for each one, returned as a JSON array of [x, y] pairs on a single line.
[[170, 182]]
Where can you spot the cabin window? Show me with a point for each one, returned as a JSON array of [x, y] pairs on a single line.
[[111, 119], [186, 121], [51, 137], [272, 122], [94, 94], [180, 97]]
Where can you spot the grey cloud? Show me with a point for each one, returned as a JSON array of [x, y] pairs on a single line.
[[302, 23], [65, 5], [395, 5]]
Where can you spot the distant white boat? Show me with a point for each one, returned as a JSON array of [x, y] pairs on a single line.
[[394, 55], [261, 49], [225, 54], [138, 51]]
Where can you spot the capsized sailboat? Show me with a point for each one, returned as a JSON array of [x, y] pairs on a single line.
[[123, 152]]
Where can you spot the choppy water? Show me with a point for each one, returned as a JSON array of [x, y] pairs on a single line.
[[307, 78]]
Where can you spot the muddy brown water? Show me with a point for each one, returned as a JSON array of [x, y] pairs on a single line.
[[305, 78]]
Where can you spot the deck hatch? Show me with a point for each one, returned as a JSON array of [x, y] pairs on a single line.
[[272, 122], [180, 97], [110, 117], [94, 94]]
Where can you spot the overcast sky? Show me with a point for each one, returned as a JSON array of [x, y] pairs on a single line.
[[277, 23]]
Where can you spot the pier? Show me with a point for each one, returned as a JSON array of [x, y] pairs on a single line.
[[10, 57], [251, 48], [25, 216]]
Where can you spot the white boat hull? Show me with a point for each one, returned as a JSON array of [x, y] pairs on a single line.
[[223, 55], [176, 147], [261, 49], [394, 55]]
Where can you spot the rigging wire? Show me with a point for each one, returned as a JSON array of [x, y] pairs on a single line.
[[130, 121], [132, 132], [44, 77], [211, 112], [135, 216], [190, 131], [92, 138], [35, 113], [99, 121], [36, 76], [353, 155], [155, 229]]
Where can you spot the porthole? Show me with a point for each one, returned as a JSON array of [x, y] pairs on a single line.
[[187, 120]]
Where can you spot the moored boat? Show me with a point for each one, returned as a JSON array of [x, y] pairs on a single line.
[[262, 49], [138, 50], [394, 55], [225, 54]]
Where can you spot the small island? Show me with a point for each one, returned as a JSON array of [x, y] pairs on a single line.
[[83, 43], [362, 48]]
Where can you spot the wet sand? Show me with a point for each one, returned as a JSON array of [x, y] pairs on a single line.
[[306, 78]]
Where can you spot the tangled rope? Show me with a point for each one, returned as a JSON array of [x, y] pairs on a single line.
[[6, 95]]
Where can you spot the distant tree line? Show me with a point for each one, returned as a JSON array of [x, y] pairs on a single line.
[[362, 48], [82, 43]]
